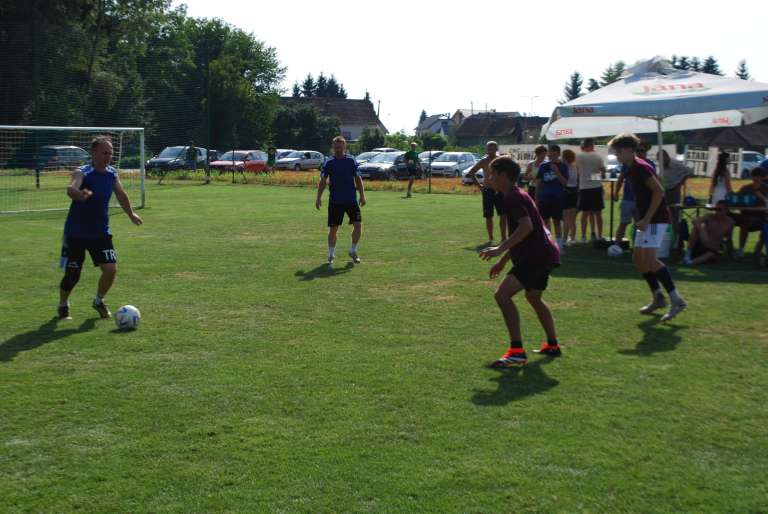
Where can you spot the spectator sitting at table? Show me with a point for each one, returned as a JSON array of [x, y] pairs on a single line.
[[707, 235], [752, 221], [721, 180], [674, 175]]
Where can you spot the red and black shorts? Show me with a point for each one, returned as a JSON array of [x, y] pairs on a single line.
[[336, 212], [73, 250]]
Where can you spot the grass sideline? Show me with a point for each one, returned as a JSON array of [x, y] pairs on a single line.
[[262, 380]]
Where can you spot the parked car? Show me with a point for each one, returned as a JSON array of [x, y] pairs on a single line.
[[177, 158], [385, 149], [58, 156], [253, 161], [365, 157], [425, 157], [301, 160], [452, 164], [612, 166], [750, 161], [467, 181], [282, 152], [385, 166]]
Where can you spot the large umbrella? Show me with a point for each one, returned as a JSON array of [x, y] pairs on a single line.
[[652, 96]]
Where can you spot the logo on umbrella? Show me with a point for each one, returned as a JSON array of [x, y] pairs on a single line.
[[694, 87]]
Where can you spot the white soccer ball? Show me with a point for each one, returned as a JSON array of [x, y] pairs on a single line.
[[127, 317], [615, 251]]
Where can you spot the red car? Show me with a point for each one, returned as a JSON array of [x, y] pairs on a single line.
[[253, 161]]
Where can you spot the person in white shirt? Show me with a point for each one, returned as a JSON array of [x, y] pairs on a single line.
[[591, 168]]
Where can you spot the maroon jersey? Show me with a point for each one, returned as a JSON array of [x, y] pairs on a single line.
[[538, 248], [638, 174]]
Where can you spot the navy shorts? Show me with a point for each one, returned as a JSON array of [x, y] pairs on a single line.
[[493, 200], [73, 249], [336, 212], [551, 208], [570, 198]]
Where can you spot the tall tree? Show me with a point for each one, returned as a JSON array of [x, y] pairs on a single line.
[[321, 86], [742, 71], [711, 66], [308, 87], [422, 116], [296, 90], [573, 86], [612, 73], [683, 63], [342, 91], [695, 64], [333, 88], [593, 85]]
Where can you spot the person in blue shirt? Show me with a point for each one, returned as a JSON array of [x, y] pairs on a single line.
[[627, 206], [345, 184], [87, 225], [550, 188]]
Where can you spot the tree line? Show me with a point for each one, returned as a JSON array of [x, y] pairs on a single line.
[[574, 87], [145, 63]]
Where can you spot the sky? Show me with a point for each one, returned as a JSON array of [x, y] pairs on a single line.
[[504, 55]]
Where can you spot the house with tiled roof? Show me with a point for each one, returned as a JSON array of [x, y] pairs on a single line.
[[436, 124], [502, 127], [354, 115]]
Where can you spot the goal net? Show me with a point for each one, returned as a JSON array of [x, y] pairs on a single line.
[[36, 164]]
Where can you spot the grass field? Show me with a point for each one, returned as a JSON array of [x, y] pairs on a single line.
[[262, 380]]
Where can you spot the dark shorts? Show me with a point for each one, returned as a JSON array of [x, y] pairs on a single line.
[[533, 276], [413, 171], [699, 249], [591, 200], [570, 198], [336, 212], [493, 200], [551, 208], [73, 251]]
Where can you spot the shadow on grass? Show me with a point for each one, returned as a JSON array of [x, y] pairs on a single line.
[[44, 334], [657, 337], [583, 262], [478, 248], [516, 383], [323, 271]]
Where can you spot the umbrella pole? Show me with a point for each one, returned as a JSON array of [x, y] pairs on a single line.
[[660, 141]]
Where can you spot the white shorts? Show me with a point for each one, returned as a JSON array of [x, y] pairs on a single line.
[[652, 236]]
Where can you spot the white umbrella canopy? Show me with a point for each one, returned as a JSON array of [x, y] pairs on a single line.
[[652, 95]]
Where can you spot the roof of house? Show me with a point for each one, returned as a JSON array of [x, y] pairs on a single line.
[[349, 111], [490, 124], [429, 121], [748, 136]]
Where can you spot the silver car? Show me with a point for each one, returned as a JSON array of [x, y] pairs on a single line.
[[365, 157], [452, 164], [301, 160]]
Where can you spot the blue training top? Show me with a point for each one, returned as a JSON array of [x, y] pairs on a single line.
[[90, 219], [342, 173], [550, 187]]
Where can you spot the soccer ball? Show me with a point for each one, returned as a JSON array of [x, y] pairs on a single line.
[[615, 251], [127, 317]]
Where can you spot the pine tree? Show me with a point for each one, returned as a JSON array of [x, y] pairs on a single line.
[[332, 91], [308, 86], [422, 116], [593, 85], [711, 66], [620, 68], [367, 97], [742, 71], [321, 86], [673, 61], [695, 64], [296, 90], [683, 63], [573, 86], [342, 91], [612, 73]]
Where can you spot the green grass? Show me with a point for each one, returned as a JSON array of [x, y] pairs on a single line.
[[262, 381]]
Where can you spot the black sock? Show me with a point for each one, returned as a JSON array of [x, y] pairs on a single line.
[[516, 344], [653, 282], [665, 277], [552, 342]]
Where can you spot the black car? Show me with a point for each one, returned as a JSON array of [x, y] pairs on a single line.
[[386, 166], [178, 158]]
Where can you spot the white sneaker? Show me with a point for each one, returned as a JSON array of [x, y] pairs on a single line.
[[658, 302], [677, 308], [331, 258]]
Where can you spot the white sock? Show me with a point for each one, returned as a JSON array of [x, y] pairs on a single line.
[[353, 248], [674, 296], [331, 250]]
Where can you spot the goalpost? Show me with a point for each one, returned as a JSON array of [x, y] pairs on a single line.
[[36, 163]]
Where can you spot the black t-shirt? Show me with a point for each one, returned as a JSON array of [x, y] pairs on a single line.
[[538, 248], [637, 175]]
